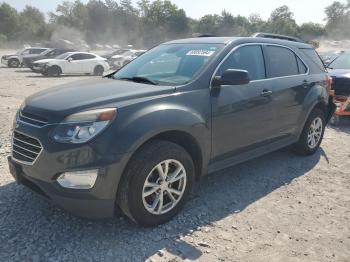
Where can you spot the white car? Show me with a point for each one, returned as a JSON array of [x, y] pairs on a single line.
[[119, 61], [15, 60], [72, 63]]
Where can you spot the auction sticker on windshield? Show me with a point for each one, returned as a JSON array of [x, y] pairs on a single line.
[[200, 53]]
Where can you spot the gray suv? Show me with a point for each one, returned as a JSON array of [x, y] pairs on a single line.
[[140, 137]]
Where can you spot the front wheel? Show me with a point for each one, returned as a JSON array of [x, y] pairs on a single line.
[[13, 63], [156, 183], [53, 71], [312, 135]]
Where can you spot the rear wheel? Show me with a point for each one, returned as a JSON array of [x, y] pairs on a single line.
[[312, 135], [156, 183], [13, 63], [98, 71]]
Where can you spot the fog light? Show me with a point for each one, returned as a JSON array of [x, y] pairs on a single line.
[[78, 180]]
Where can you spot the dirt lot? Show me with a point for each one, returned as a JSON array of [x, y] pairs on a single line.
[[279, 207]]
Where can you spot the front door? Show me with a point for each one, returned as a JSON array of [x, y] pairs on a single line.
[[242, 116], [73, 64]]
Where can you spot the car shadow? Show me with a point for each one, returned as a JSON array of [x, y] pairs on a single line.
[[24, 70], [344, 127], [27, 220]]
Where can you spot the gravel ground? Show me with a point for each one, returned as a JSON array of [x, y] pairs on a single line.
[[279, 207]]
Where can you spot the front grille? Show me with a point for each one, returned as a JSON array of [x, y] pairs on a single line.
[[25, 149], [341, 86], [32, 119]]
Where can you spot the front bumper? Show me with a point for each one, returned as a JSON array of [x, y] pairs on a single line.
[[4, 61], [38, 68], [55, 159], [80, 205]]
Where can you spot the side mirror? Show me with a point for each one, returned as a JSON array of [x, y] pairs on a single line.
[[70, 59], [232, 77]]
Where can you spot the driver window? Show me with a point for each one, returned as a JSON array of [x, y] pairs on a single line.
[[249, 58], [75, 57]]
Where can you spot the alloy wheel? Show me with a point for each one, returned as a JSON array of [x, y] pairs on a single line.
[[315, 132], [164, 187]]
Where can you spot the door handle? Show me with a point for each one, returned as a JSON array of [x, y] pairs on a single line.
[[305, 84], [266, 93]]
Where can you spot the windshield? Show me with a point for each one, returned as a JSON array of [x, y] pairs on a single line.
[[342, 62], [174, 64], [46, 52], [62, 56]]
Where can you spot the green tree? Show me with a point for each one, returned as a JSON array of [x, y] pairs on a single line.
[[8, 21], [70, 14], [338, 19], [310, 31], [161, 20], [32, 25], [209, 24], [282, 21]]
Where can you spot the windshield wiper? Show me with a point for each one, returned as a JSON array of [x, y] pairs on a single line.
[[139, 79]]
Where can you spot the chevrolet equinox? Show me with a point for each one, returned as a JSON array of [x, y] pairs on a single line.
[[140, 137]]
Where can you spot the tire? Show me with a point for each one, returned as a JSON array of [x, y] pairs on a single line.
[[306, 145], [54, 71], [132, 194], [99, 70], [13, 63]]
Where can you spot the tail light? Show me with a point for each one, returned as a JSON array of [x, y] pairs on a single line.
[[329, 85]]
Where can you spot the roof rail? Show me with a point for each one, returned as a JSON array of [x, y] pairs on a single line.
[[276, 36]]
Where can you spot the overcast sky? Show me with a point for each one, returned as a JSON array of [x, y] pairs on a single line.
[[304, 10]]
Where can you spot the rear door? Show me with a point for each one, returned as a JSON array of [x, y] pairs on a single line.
[[88, 63], [241, 114], [288, 77]]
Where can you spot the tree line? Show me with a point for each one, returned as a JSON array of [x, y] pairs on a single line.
[[151, 22]]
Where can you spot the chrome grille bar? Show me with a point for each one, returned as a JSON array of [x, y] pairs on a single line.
[[25, 149]]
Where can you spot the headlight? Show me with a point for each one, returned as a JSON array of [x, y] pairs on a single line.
[[82, 127]]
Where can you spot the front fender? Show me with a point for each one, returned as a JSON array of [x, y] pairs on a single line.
[[136, 128]]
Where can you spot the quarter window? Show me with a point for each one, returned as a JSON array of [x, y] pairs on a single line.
[[249, 58], [302, 67], [280, 62]]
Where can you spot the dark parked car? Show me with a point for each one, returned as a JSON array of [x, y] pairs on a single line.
[[339, 69], [50, 53], [139, 138], [115, 52]]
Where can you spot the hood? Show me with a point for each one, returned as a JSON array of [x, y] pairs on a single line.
[[10, 56], [45, 60], [31, 55], [343, 73], [117, 56], [82, 95]]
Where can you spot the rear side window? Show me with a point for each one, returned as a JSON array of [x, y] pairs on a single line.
[[281, 62], [302, 67], [315, 58], [249, 58], [86, 56]]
